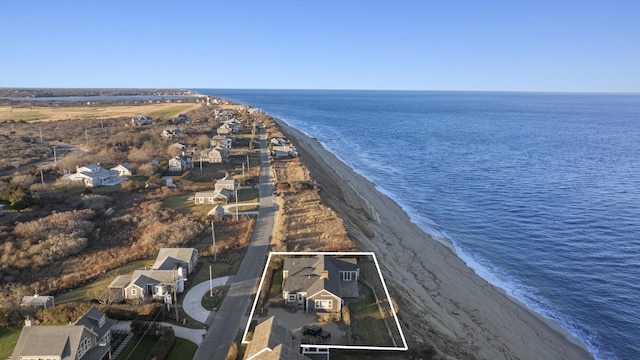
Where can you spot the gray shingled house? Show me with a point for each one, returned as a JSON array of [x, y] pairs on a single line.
[[273, 341], [89, 338], [319, 284], [171, 270]]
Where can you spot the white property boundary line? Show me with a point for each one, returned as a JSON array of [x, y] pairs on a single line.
[[404, 346]]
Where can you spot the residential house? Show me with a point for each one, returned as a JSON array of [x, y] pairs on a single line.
[[181, 163], [142, 120], [221, 196], [178, 146], [171, 258], [88, 338], [216, 155], [169, 133], [36, 301], [217, 212], [228, 183], [224, 129], [93, 175], [222, 140], [169, 272], [123, 169], [280, 151], [272, 340], [180, 119], [320, 283]]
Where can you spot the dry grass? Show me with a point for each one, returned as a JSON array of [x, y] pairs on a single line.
[[44, 113]]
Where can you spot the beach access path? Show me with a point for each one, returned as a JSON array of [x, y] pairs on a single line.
[[230, 317]]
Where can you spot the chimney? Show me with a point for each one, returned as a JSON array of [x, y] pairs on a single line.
[[324, 274], [28, 322]]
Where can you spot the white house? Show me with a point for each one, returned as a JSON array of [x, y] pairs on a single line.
[[93, 175], [123, 169]]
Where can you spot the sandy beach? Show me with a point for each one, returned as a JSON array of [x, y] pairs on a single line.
[[443, 305]]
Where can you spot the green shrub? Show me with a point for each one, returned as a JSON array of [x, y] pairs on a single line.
[[164, 345]]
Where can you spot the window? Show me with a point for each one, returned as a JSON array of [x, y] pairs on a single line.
[[291, 298], [85, 346], [346, 275], [324, 304], [134, 292]]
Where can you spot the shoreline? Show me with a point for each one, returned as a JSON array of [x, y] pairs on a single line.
[[463, 314]]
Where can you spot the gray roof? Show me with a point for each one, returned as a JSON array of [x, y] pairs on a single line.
[[304, 274], [142, 278], [97, 322], [121, 281], [170, 258], [37, 300], [272, 341], [49, 341]]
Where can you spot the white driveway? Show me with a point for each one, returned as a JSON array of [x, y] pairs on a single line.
[[192, 302]]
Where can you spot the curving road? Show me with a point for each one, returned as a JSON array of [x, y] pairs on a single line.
[[230, 317]]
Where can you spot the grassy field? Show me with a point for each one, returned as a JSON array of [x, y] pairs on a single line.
[[181, 204], [367, 321], [137, 349], [81, 293], [156, 111], [183, 350], [8, 339]]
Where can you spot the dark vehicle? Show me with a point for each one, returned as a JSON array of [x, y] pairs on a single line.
[[312, 330], [315, 330]]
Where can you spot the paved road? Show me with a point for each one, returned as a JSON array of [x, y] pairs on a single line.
[[225, 323]]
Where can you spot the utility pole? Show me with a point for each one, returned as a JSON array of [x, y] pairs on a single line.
[[175, 296], [213, 237], [210, 282], [55, 155], [86, 137], [41, 177], [40, 134], [237, 215]]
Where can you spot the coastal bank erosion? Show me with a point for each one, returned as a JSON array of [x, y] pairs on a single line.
[[442, 303]]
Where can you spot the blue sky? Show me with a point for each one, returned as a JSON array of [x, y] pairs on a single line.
[[541, 45]]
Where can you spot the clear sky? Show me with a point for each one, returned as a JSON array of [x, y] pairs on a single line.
[[510, 45]]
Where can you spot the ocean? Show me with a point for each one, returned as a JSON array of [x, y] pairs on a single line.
[[538, 192]]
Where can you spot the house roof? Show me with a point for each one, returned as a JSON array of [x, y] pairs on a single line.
[[227, 180], [271, 340], [168, 258], [96, 321], [36, 300], [124, 165], [94, 172], [120, 282], [141, 278], [305, 274], [49, 341], [205, 194]]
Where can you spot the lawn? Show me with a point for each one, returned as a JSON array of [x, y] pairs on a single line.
[[181, 203], [81, 293], [368, 322], [137, 349], [8, 339], [184, 349], [156, 110]]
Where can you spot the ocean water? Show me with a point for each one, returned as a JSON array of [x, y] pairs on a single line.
[[538, 192]]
